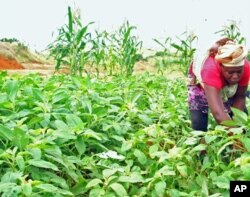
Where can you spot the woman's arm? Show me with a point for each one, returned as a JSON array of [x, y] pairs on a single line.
[[215, 104], [239, 100]]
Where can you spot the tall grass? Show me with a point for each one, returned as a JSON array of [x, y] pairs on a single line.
[[71, 44], [232, 31]]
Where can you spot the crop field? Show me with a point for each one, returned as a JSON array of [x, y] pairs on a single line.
[[102, 130], [74, 136]]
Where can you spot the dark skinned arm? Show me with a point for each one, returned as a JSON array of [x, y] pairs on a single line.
[[240, 98], [215, 104]]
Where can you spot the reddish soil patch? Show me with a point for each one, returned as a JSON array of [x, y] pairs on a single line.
[[9, 64]]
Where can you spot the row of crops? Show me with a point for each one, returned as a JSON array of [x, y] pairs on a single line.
[[117, 136]]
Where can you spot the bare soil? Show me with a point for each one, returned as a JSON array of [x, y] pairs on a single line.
[[17, 61], [6, 63]]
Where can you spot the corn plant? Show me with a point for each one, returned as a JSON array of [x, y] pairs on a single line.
[[184, 50], [232, 31], [71, 45], [126, 48], [165, 60], [111, 60]]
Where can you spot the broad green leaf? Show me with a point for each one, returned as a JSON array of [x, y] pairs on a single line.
[[64, 135], [160, 188], [140, 156], [153, 149], [52, 189], [174, 193], [191, 141], [91, 134], [43, 164], [79, 188], [73, 120], [72, 173], [47, 187], [239, 116], [166, 171], [27, 189], [4, 186], [88, 106], [108, 172], [64, 192], [56, 179], [20, 138], [246, 142], [35, 120], [230, 123], [182, 168], [57, 158], [100, 111], [20, 162], [119, 189], [222, 182], [96, 192], [38, 95], [209, 138], [4, 99], [54, 150], [36, 153], [5, 133], [59, 96], [134, 177], [111, 154], [93, 183], [145, 119], [126, 145], [246, 171], [199, 147], [11, 177], [11, 89], [61, 125], [204, 187], [80, 145]]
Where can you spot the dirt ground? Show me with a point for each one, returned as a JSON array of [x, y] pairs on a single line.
[[6, 63], [12, 67], [26, 62]]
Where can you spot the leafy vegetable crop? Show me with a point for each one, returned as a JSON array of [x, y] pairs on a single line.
[[73, 136]]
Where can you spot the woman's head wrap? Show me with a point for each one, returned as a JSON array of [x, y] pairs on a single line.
[[231, 54]]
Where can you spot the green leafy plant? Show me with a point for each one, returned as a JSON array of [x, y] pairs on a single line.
[[165, 55], [232, 31], [71, 45], [99, 54], [126, 48], [126, 136], [185, 50]]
